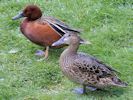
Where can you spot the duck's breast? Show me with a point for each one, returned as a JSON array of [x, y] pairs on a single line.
[[69, 70], [41, 34]]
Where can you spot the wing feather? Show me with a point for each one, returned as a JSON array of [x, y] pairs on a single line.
[[58, 25], [86, 63]]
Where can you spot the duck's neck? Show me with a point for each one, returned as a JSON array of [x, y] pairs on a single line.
[[32, 19], [70, 51]]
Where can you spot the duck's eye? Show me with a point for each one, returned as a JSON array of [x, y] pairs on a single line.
[[69, 35]]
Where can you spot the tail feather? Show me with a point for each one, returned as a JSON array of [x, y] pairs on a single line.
[[118, 82]]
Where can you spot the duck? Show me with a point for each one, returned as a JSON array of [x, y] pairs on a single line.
[[42, 30], [84, 69]]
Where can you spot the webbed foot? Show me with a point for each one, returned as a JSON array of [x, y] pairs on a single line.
[[79, 91], [42, 53]]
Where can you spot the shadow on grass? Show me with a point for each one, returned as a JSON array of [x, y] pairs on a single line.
[[111, 92]]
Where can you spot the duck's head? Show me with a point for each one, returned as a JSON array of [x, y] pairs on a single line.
[[32, 12], [70, 39]]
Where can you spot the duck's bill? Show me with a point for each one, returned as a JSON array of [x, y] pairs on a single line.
[[62, 42], [20, 15], [59, 42]]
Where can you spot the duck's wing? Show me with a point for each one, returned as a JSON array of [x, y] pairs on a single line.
[[86, 63], [58, 25], [107, 66]]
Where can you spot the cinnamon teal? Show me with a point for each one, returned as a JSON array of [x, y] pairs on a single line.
[[42, 30]]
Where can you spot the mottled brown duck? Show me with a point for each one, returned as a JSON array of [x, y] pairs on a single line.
[[85, 69]]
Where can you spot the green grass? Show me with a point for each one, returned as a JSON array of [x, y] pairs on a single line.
[[108, 24]]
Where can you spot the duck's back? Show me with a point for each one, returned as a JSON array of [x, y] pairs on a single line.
[[93, 65]]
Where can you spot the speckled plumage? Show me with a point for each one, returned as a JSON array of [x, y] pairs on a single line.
[[85, 69]]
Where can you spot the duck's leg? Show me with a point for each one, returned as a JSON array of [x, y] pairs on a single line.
[[43, 53], [84, 89], [80, 90], [91, 88], [46, 52]]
